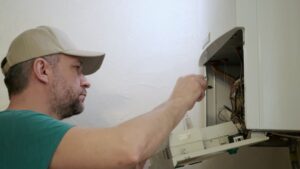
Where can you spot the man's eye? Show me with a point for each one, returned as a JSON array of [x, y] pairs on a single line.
[[78, 68]]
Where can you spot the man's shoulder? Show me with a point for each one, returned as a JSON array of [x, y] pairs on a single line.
[[29, 120], [28, 136], [19, 116], [19, 113]]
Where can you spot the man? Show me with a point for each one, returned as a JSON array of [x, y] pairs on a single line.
[[45, 77]]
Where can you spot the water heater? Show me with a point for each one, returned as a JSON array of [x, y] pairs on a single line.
[[252, 73]]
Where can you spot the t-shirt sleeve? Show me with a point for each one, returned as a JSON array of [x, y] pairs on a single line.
[[34, 139]]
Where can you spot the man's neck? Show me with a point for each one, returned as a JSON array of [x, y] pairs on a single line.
[[25, 101]]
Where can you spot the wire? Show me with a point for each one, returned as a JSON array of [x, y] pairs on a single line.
[[236, 95], [221, 73]]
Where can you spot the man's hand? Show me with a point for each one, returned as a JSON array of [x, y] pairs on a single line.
[[189, 89]]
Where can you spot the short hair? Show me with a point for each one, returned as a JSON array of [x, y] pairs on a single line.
[[17, 77]]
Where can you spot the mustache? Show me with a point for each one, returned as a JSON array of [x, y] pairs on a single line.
[[84, 92]]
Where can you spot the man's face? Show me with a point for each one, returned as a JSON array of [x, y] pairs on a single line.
[[68, 87]]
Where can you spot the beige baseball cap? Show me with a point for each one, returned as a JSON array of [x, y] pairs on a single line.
[[43, 41]]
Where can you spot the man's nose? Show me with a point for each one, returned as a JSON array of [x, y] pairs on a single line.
[[84, 82]]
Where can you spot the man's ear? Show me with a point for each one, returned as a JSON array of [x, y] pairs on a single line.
[[41, 69]]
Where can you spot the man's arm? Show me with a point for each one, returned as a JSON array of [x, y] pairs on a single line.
[[133, 141]]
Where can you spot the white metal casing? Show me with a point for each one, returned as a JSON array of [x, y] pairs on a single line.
[[271, 59]]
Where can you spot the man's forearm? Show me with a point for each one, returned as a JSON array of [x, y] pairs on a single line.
[[130, 143], [147, 132]]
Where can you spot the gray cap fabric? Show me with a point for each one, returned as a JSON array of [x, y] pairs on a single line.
[[43, 41]]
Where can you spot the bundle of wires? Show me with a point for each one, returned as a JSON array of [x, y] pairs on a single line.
[[236, 96]]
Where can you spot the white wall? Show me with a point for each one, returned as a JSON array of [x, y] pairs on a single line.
[[148, 44]]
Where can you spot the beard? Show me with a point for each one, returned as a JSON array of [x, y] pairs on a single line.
[[65, 100]]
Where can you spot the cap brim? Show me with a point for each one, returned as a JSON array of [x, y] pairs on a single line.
[[91, 61]]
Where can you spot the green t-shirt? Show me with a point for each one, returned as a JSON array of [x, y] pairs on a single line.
[[29, 139]]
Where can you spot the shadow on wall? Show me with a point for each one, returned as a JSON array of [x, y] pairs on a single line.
[[248, 158]]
